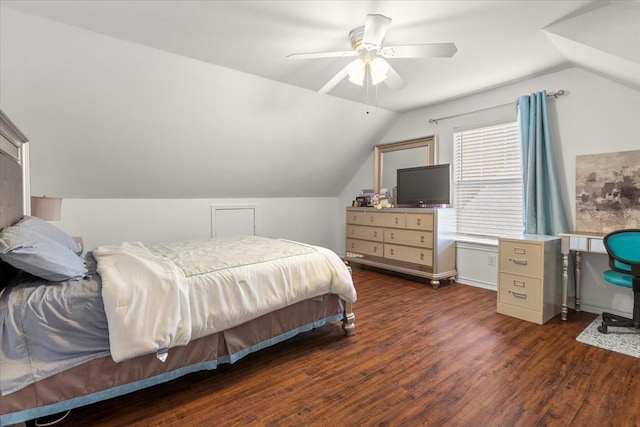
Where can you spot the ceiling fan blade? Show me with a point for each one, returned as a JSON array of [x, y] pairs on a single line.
[[315, 55], [375, 28], [429, 50], [393, 80], [335, 79]]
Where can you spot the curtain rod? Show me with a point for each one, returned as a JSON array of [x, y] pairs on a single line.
[[556, 94]]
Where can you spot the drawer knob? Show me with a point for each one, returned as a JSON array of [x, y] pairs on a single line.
[[421, 239], [397, 220], [519, 261], [392, 236], [392, 252], [375, 249], [375, 234], [418, 221], [421, 257]]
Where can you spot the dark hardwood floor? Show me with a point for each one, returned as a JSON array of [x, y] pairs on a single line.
[[419, 357]]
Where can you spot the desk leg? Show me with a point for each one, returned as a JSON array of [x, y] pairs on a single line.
[[578, 278], [565, 282]]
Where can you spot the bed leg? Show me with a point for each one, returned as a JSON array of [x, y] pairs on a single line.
[[349, 321]]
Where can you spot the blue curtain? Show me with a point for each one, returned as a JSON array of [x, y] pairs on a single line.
[[542, 203]]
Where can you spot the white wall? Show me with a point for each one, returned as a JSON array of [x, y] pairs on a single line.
[[596, 116], [108, 118], [108, 221]]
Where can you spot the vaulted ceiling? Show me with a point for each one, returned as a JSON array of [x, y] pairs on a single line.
[[497, 41], [172, 98]]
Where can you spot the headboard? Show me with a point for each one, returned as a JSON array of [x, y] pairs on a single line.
[[13, 186]]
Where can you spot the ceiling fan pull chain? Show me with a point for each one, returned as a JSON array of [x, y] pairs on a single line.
[[367, 82]]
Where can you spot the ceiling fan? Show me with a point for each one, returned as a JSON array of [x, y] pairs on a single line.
[[370, 65]]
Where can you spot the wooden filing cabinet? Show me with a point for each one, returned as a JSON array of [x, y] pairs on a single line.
[[413, 241], [529, 277]]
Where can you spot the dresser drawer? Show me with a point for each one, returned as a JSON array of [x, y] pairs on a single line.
[[423, 239], [355, 217], [521, 258], [365, 247], [420, 221], [422, 256], [365, 233], [386, 219], [520, 291]]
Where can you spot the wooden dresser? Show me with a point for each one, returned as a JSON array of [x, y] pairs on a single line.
[[414, 241], [529, 280]]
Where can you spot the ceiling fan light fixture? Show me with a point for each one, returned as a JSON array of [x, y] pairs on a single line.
[[372, 67], [356, 72], [378, 68]]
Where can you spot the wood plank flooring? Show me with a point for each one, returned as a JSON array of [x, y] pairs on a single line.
[[419, 357]]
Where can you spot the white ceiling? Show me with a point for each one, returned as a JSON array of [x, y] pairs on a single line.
[[498, 41]]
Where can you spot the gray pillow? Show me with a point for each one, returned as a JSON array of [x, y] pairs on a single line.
[[38, 255], [49, 230]]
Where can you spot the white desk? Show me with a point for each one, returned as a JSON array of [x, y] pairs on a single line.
[[579, 242]]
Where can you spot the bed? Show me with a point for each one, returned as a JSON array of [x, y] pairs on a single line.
[[130, 316]]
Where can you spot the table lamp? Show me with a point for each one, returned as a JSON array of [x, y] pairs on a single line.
[[47, 208]]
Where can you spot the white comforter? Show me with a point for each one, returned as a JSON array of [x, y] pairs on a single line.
[[163, 296]]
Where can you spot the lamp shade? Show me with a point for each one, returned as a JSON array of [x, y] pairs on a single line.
[[379, 69], [47, 208], [376, 69]]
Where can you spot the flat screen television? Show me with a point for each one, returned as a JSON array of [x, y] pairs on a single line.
[[424, 186]]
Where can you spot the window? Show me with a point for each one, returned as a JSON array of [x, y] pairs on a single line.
[[487, 174]]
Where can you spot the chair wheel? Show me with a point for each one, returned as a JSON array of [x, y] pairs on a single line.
[[603, 329]]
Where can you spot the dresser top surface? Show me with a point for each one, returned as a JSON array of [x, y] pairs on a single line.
[[394, 210]]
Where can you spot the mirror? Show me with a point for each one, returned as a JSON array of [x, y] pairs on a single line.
[[388, 158]]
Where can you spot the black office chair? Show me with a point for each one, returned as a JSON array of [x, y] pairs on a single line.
[[623, 247]]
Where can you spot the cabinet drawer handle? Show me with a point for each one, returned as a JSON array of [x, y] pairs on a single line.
[[371, 219], [392, 236], [518, 283], [421, 239], [519, 261], [519, 295], [397, 220], [375, 234], [421, 257], [418, 221], [375, 249], [392, 252]]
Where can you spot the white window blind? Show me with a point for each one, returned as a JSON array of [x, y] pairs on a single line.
[[487, 171]]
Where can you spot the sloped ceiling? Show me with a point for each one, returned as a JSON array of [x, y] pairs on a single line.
[[605, 41], [197, 98], [497, 41]]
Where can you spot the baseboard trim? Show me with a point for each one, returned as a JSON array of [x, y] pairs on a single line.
[[477, 283]]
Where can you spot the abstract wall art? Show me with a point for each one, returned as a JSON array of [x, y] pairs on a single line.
[[608, 191]]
